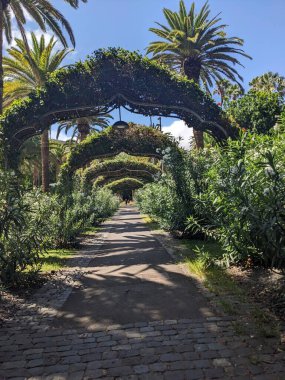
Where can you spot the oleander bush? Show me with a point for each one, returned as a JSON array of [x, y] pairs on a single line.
[[161, 201], [235, 194], [21, 242], [31, 222], [242, 203]]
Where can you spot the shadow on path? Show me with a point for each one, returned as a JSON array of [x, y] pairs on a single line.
[[131, 279]]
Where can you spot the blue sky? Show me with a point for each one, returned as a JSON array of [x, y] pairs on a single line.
[[125, 23]]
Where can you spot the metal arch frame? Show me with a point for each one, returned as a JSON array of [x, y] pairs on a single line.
[[100, 110]]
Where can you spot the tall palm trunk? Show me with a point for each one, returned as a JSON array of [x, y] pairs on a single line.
[[1, 57], [83, 130], [192, 70], [45, 160]]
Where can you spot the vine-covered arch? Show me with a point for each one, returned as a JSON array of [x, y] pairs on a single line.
[[103, 181], [106, 80], [121, 168], [125, 184], [137, 141]]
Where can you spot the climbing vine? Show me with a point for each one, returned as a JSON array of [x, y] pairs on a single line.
[[106, 80], [121, 167], [125, 184]]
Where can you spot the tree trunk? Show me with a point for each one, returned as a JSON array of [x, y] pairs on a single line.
[[45, 161], [199, 138], [83, 130], [192, 69], [1, 57], [36, 175]]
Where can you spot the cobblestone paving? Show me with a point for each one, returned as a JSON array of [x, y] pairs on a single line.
[[44, 342]]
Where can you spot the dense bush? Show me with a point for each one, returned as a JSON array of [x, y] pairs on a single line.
[[256, 110], [236, 196], [242, 203], [31, 222], [20, 240], [161, 201]]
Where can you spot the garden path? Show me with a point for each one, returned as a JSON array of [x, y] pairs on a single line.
[[127, 311]]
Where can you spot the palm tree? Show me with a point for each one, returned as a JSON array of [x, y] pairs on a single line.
[[30, 159], [58, 153], [26, 68], [227, 91], [83, 125], [42, 12], [197, 45], [269, 82]]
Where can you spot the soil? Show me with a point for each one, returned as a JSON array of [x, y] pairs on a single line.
[[264, 286], [13, 297]]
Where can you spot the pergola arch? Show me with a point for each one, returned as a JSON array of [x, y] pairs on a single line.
[[125, 184], [103, 181], [106, 80], [120, 168], [136, 140]]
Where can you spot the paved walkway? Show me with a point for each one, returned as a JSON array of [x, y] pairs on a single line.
[[126, 311]]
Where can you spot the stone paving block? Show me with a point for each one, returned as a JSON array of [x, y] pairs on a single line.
[[171, 357], [119, 371], [78, 375], [214, 373], [141, 369], [30, 347], [221, 362], [35, 363], [194, 374], [181, 365], [174, 375], [202, 363]]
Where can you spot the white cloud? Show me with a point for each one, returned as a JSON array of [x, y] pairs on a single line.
[[38, 32], [62, 136], [181, 131]]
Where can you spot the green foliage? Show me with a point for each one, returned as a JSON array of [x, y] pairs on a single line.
[[140, 141], [242, 201], [31, 222], [255, 111], [20, 240], [227, 92], [67, 216], [124, 184], [55, 259], [168, 200], [99, 80], [161, 201], [234, 194], [197, 44], [42, 12], [121, 166], [27, 67], [269, 82]]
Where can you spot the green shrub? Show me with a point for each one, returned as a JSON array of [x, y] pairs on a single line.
[[161, 201], [31, 222], [256, 110], [243, 202], [20, 241]]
